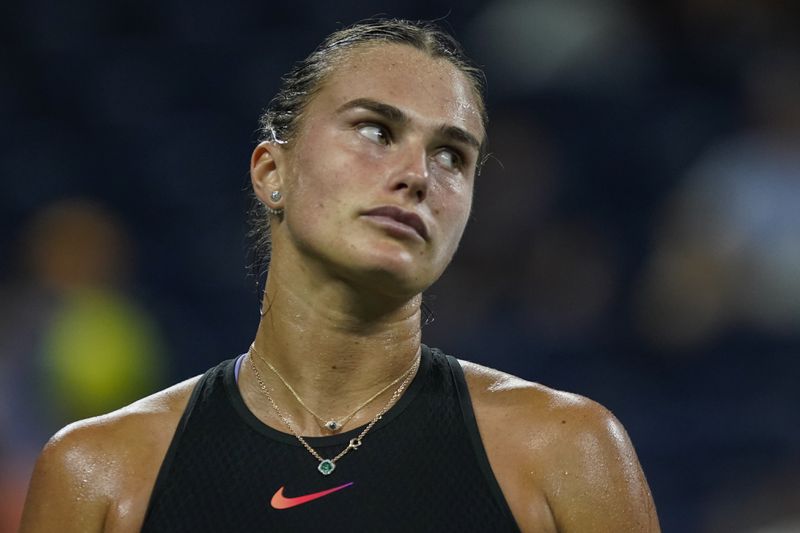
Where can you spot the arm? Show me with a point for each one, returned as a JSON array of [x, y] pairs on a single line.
[[67, 492], [594, 482]]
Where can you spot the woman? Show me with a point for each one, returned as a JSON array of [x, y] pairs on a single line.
[[338, 417]]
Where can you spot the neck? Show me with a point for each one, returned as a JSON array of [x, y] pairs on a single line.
[[335, 348]]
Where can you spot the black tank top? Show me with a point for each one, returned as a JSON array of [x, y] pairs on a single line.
[[422, 467]]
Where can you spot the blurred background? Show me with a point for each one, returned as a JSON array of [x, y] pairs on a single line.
[[635, 236]]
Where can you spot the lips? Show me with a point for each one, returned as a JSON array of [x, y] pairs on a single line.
[[398, 214]]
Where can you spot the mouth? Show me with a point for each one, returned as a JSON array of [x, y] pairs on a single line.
[[399, 220]]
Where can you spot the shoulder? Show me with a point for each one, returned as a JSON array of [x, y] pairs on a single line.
[[548, 421], [128, 429], [90, 464], [532, 405], [571, 449]]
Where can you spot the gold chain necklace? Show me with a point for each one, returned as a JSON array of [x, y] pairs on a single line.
[[326, 466], [330, 423]]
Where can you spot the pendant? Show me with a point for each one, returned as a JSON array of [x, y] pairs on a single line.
[[326, 467], [332, 425]]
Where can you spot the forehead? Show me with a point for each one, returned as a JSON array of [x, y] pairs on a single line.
[[427, 89]]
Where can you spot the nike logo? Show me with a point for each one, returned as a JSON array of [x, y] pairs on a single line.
[[279, 501]]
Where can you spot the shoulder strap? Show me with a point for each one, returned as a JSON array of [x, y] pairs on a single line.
[[471, 424], [163, 472]]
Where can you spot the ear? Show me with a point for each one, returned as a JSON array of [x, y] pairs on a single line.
[[265, 175]]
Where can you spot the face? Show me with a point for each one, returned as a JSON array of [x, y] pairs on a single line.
[[378, 181]]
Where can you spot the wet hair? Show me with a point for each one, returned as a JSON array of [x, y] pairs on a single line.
[[282, 117]]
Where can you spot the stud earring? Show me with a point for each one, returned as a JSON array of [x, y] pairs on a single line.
[[275, 196]]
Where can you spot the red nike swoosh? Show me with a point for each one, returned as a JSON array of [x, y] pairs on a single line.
[[279, 501]]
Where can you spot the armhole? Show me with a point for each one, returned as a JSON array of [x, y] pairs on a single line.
[[166, 464], [471, 424]]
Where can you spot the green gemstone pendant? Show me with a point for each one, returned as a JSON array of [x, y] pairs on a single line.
[[326, 467]]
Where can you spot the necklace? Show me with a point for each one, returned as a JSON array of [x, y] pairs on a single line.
[[330, 423], [326, 466]]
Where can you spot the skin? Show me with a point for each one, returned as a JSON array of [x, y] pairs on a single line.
[[340, 277]]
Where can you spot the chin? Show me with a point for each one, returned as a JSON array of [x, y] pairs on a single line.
[[396, 275]]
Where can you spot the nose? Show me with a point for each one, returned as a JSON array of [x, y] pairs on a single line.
[[412, 176]]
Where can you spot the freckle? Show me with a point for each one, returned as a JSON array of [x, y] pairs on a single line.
[[333, 367], [563, 421]]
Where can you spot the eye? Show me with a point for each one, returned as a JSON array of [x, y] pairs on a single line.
[[375, 133], [448, 159]]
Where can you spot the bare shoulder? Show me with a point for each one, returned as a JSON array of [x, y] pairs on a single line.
[[535, 407], [123, 434], [494, 386], [88, 468], [564, 446], [543, 420]]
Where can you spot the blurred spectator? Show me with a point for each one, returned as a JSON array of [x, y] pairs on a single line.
[[73, 344], [582, 45], [728, 252]]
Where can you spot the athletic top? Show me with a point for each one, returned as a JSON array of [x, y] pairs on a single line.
[[421, 468]]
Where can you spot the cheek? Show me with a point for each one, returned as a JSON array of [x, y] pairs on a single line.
[[313, 181], [452, 211], [318, 200], [451, 203]]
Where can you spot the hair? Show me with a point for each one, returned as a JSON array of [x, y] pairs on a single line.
[[282, 117]]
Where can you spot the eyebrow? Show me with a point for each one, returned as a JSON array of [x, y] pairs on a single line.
[[387, 111], [391, 113], [460, 135]]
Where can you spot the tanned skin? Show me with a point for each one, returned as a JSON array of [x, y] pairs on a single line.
[[343, 296]]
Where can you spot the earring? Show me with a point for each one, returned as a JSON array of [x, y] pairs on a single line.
[[275, 196]]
